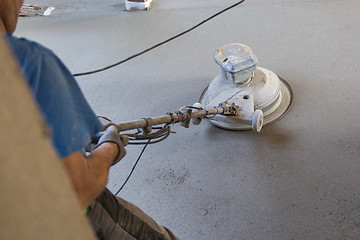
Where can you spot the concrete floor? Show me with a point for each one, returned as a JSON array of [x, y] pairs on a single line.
[[297, 179]]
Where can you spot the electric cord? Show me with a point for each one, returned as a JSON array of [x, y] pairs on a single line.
[[133, 168], [137, 138], [159, 44], [160, 135]]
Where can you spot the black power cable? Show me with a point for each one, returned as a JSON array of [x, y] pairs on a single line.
[[159, 44], [139, 138], [133, 168]]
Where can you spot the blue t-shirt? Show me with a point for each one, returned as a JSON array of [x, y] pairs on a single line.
[[70, 118]]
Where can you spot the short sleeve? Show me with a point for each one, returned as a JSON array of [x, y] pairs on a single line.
[[70, 118]]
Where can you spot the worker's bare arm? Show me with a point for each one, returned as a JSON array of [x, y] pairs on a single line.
[[89, 175]]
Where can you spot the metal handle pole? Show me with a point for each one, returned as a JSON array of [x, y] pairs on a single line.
[[171, 118]]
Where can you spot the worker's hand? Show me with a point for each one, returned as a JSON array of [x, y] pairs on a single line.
[[111, 134]]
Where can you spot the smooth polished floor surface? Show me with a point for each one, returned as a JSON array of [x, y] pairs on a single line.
[[296, 179]]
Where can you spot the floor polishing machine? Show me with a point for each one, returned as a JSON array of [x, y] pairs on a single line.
[[242, 96]]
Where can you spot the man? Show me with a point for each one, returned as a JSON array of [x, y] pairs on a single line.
[[73, 123]]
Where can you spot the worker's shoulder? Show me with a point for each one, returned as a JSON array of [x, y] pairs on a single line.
[[26, 50]]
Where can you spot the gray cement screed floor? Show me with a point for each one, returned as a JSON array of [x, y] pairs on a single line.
[[297, 179]]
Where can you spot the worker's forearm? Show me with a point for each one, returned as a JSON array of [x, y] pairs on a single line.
[[99, 163], [89, 175]]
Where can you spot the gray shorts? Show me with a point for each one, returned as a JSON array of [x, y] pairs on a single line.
[[114, 218]]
